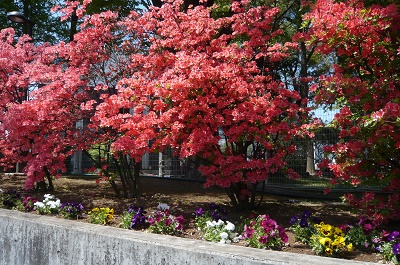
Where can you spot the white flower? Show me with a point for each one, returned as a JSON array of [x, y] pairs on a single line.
[[235, 240], [210, 224], [163, 206], [224, 241], [229, 226], [39, 204], [52, 204], [224, 235], [220, 222], [48, 196]]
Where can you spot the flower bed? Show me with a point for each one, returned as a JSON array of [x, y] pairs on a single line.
[[213, 224]]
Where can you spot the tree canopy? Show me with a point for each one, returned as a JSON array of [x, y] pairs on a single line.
[[48, 25], [365, 85]]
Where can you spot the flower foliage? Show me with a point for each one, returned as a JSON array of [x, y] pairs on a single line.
[[101, 215], [303, 226], [263, 232], [219, 231], [50, 205], [133, 218], [324, 239], [163, 222], [29, 203], [362, 234], [329, 240], [215, 212], [260, 231], [10, 199], [71, 210], [213, 225], [389, 246]]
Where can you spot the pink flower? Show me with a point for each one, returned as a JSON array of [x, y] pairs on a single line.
[[367, 229], [263, 239], [283, 236], [248, 232]]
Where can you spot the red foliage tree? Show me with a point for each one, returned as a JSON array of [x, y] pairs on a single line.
[[195, 89], [202, 93], [365, 85], [15, 60], [35, 117]]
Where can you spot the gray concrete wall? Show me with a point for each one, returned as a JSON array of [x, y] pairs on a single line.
[[29, 239]]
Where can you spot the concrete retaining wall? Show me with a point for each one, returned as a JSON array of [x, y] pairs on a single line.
[[29, 239]]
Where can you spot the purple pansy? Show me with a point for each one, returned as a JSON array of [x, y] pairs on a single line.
[[396, 249], [393, 236]]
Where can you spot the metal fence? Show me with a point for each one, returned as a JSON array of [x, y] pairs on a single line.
[[164, 164], [309, 153]]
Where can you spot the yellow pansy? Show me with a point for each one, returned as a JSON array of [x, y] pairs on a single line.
[[338, 232], [95, 209], [328, 251], [350, 247], [110, 214], [326, 241], [340, 241], [318, 226], [335, 245], [326, 230]]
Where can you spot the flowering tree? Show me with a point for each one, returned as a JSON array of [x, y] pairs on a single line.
[[365, 86], [198, 87], [195, 89], [15, 60], [202, 93], [36, 131], [42, 131]]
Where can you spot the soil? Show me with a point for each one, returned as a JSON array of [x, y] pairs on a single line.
[[185, 197]]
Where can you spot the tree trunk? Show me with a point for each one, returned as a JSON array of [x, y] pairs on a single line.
[[74, 25], [239, 202], [310, 168], [136, 172], [50, 187], [42, 186], [106, 173]]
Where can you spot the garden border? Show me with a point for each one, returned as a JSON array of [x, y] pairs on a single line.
[[34, 239]]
